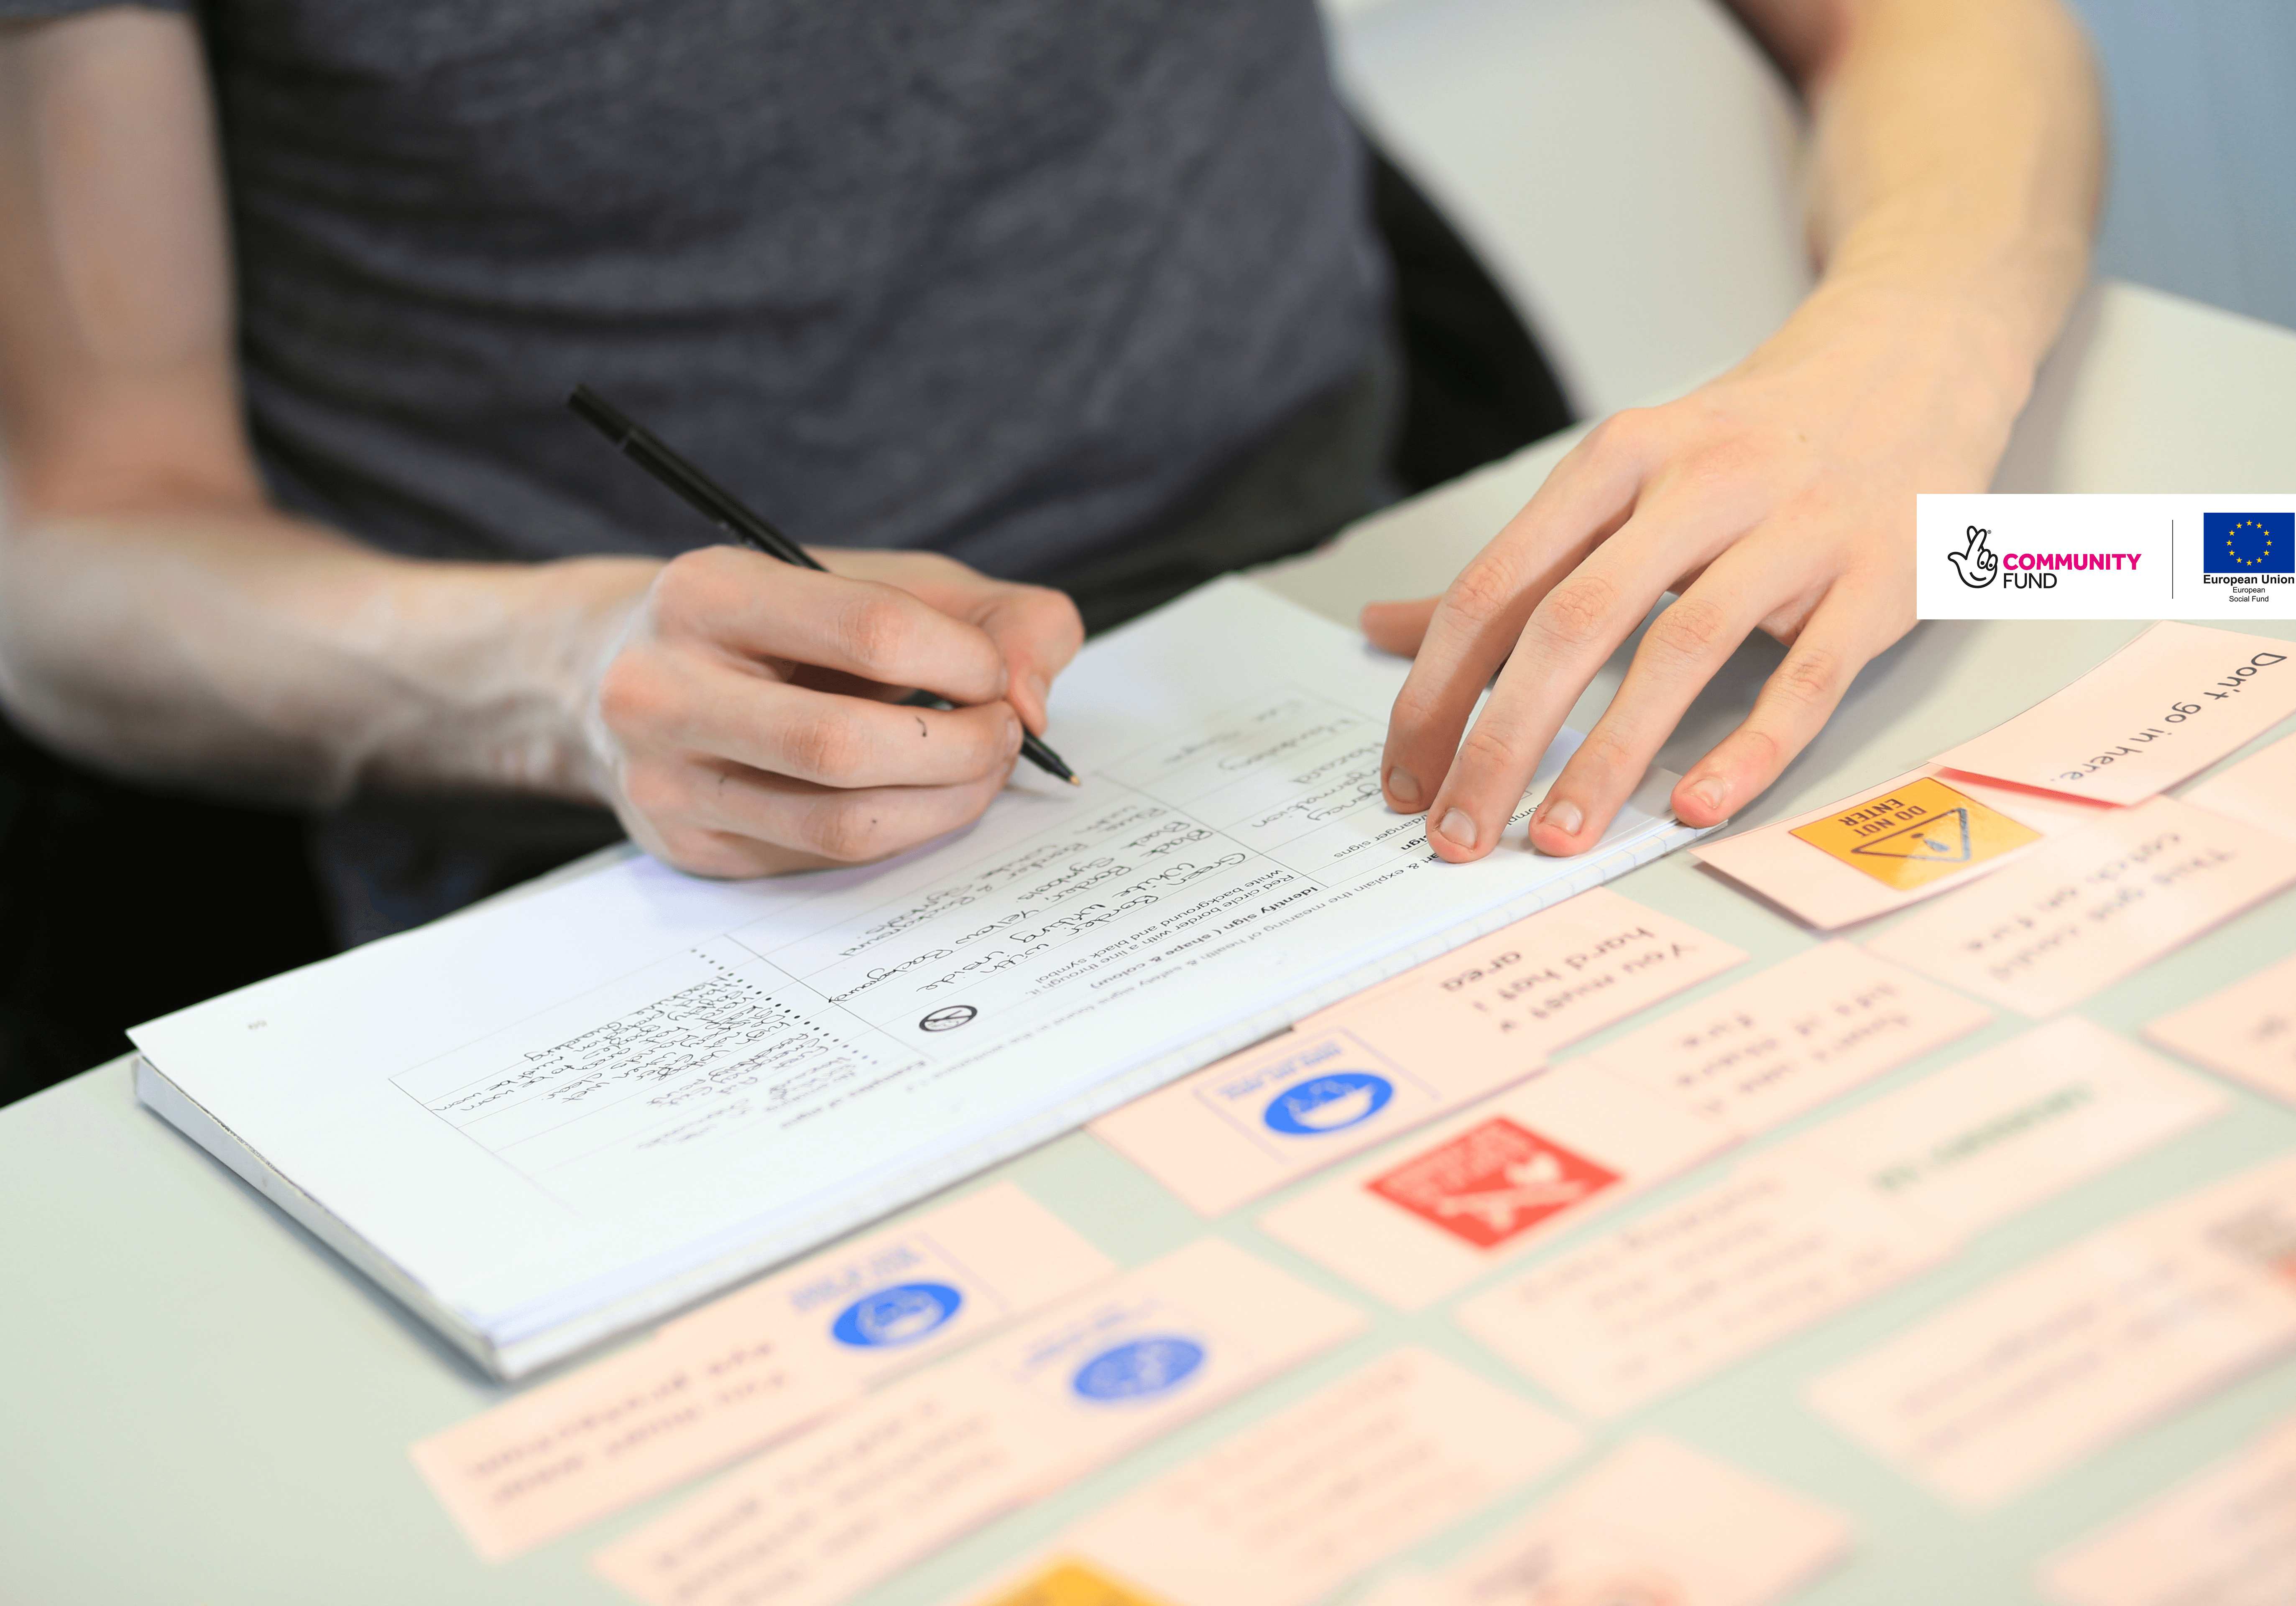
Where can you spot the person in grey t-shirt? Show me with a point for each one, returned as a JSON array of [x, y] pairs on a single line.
[[289, 290]]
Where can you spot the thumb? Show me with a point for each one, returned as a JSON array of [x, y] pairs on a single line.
[[1398, 627]]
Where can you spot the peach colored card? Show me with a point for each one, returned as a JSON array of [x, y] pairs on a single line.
[[2165, 707], [1972, 1144], [751, 1367], [1427, 1041], [1787, 1038], [1469, 1194], [2260, 789], [926, 1459], [2073, 1352], [1656, 1524], [2247, 1031], [1673, 1295], [1833, 883], [1294, 1506], [2224, 1538], [1835, 1214], [2086, 909]]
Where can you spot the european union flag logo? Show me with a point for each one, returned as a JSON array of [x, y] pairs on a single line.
[[2248, 543]]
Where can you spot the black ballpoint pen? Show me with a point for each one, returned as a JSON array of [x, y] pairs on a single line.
[[713, 502]]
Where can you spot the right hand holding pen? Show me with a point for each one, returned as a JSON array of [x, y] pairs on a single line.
[[749, 721]]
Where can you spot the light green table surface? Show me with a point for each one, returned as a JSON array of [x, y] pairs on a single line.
[[199, 1404]]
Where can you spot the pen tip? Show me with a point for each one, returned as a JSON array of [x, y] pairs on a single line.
[[1076, 780]]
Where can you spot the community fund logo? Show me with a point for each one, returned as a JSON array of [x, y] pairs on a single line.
[[1978, 565], [1973, 563]]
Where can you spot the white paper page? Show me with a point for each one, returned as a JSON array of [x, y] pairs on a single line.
[[540, 1107]]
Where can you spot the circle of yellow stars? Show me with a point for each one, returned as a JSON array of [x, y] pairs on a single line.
[[2231, 546]]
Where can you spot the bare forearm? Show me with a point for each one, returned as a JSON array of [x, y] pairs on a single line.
[[1957, 162], [235, 650]]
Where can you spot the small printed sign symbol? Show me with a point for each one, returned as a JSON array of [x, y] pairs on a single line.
[[950, 1018], [1140, 1369], [1331, 1102], [894, 1316], [1493, 1183], [1915, 834], [1942, 839]]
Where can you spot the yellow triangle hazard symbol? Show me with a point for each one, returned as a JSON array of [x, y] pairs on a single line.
[[1943, 838]]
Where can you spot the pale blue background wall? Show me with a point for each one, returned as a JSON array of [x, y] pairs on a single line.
[[2203, 197]]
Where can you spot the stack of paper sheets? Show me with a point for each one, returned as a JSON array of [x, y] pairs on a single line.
[[550, 1120]]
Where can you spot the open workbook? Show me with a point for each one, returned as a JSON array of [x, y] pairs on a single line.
[[553, 1118]]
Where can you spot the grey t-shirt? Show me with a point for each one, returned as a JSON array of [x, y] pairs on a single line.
[[1008, 278]]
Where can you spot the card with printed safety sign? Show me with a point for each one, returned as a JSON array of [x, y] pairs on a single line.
[[1918, 835], [751, 1367], [1426, 1042], [1467, 1195], [928, 1458]]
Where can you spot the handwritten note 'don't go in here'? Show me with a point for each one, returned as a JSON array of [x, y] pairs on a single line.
[[2078, 914], [2169, 705], [1414, 1048]]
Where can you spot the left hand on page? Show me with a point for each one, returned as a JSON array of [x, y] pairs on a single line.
[[749, 721], [1779, 497]]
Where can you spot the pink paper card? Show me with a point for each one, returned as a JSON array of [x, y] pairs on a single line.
[[2076, 1351], [1464, 1198], [1879, 850], [2165, 707], [1972, 1144], [924, 1459], [1786, 1040], [2247, 1032], [2260, 790], [1656, 1524], [1438, 1036], [2088, 908], [1293, 1507], [1679, 1294], [751, 1367], [2224, 1538]]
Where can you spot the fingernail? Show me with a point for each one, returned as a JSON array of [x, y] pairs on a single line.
[[1565, 817], [1459, 828], [1039, 690], [1004, 679], [1404, 788], [1013, 734], [1708, 791]]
